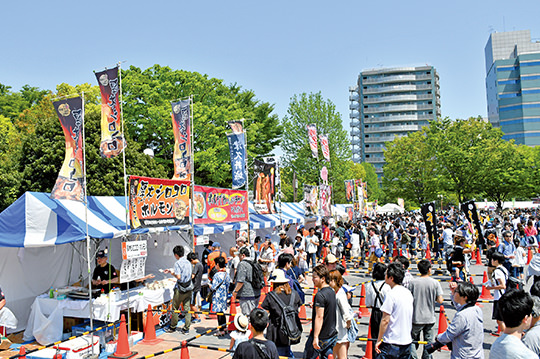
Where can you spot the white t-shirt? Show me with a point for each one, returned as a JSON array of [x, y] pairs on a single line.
[[312, 247], [355, 241], [399, 304], [498, 277]]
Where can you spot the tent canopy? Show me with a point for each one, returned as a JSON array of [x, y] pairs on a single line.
[[36, 220]]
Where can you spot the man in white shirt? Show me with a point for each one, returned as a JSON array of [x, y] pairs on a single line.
[[312, 243], [394, 340]]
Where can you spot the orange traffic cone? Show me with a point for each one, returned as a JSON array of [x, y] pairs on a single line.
[[395, 254], [303, 314], [363, 311], [344, 266], [22, 353], [369, 345], [212, 314], [529, 256], [261, 300], [150, 329], [478, 257], [443, 324], [485, 292], [330, 356], [232, 312], [428, 253], [473, 256], [122, 344], [184, 352]]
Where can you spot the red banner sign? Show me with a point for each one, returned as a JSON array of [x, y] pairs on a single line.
[[218, 205], [157, 202]]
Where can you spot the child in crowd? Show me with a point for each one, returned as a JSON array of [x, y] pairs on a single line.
[[241, 333], [520, 259], [250, 349]]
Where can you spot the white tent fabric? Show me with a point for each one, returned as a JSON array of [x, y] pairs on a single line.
[[390, 208]]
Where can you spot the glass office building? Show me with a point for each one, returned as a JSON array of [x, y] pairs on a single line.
[[389, 103], [513, 85]]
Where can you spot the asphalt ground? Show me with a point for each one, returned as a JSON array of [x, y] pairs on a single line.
[[210, 343]]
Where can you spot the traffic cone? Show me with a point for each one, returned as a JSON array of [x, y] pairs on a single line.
[[22, 353], [122, 344], [369, 345], [485, 293], [330, 356], [344, 266], [363, 311], [529, 256], [443, 324], [212, 314], [303, 314], [473, 256], [232, 312], [478, 257], [150, 329], [395, 254], [428, 253], [184, 352], [261, 300]]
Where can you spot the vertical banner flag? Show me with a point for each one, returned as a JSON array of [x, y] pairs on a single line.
[[264, 190], [237, 150], [70, 181], [326, 200], [311, 200], [312, 137], [324, 175], [325, 147], [182, 139], [112, 138], [430, 219], [157, 202], [469, 208], [349, 190]]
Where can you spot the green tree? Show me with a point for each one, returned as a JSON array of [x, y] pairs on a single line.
[[460, 150], [305, 109], [410, 169], [9, 150], [147, 96], [374, 190]]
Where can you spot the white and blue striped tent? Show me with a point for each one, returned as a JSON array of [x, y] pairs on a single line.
[[35, 220]]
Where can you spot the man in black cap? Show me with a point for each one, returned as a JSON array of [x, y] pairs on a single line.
[[105, 275]]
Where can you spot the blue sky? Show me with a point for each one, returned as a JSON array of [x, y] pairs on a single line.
[[276, 48]]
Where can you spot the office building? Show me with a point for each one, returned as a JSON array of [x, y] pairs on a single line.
[[513, 85], [389, 103]]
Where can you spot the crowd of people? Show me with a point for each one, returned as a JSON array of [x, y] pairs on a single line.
[[402, 306]]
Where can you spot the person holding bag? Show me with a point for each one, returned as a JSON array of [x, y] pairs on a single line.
[[344, 317], [375, 294], [218, 293]]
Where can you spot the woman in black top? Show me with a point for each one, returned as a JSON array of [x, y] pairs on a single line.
[[281, 287]]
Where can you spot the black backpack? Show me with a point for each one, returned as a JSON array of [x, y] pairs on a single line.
[[512, 283], [257, 275], [290, 324]]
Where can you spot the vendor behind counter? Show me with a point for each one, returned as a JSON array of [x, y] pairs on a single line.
[[105, 276]]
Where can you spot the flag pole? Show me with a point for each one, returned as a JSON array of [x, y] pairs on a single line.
[[192, 173], [247, 182], [125, 179], [90, 304], [278, 170]]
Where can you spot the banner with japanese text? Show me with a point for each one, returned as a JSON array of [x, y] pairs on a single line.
[[312, 137], [311, 200], [237, 148], [469, 209], [264, 190], [325, 147], [112, 138], [158, 202], [182, 139], [219, 205], [326, 200], [349, 190], [70, 181], [134, 255], [430, 219]]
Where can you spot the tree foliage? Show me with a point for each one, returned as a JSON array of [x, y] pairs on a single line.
[[467, 158], [147, 97], [305, 109]]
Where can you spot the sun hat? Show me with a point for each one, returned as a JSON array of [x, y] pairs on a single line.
[[241, 322], [278, 276], [331, 258]]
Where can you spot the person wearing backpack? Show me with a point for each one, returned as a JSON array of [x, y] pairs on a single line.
[[257, 347], [375, 293], [283, 303], [498, 285], [249, 282]]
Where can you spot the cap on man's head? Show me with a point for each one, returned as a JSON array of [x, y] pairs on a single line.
[[282, 233], [241, 239], [216, 245], [267, 236], [101, 254]]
